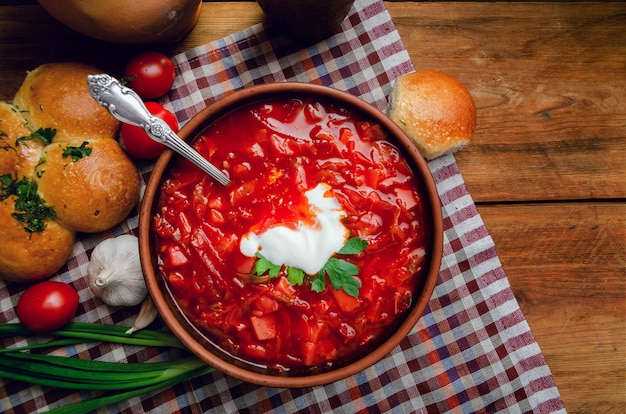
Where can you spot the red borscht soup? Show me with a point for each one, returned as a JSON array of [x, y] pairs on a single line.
[[312, 254]]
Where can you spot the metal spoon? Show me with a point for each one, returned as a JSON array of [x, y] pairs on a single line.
[[125, 105]]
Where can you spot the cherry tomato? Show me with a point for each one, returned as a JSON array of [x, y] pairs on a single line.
[[138, 144], [150, 74], [47, 306]]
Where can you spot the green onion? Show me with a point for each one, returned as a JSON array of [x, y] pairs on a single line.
[[94, 404], [60, 342], [79, 374], [133, 379], [100, 332]]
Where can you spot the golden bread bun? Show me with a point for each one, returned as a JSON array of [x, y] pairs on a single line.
[[22, 158], [89, 194], [95, 192], [57, 96], [27, 257], [435, 110]]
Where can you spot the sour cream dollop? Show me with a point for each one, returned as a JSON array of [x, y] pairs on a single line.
[[309, 246]]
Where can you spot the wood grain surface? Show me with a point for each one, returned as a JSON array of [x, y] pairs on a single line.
[[547, 167]]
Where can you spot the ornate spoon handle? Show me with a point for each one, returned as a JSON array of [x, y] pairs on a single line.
[[125, 105]]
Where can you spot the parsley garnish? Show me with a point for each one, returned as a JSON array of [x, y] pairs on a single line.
[[340, 272], [42, 161], [30, 209], [22, 112], [4, 146], [354, 245], [263, 265], [44, 135], [77, 152]]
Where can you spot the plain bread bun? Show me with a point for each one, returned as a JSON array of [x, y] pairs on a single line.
[[435, 110]]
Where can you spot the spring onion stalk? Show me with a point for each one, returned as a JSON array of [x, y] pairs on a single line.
[[93, 404], [49, 344], [100, 332], [125, 380]]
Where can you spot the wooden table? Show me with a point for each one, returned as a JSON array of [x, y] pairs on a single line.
[[547, 168]]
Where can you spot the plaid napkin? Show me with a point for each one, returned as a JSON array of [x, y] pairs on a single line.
[[471, 352]]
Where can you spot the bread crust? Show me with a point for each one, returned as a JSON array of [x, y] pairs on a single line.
[[16, 159], [435, 110], [56, 95], [95, 192], [27, 257]]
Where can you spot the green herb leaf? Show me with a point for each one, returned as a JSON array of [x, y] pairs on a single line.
[[44, 135], [340, 272], [318, 284], [341, 275], [295, 276], [354, 245], [77, 152], [30, 209], [263, 265], [6, 180], [42, 161]]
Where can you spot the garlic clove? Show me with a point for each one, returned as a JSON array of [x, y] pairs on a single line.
[[147, 314], [114, 272]]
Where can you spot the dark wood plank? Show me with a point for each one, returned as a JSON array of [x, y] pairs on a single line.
[[566, 264], [549, 82]]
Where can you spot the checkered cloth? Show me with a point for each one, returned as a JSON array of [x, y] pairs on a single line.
[[471, 352]]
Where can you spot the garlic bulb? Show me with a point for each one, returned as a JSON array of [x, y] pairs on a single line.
[[114, 272]]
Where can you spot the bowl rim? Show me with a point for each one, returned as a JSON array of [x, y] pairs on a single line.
[[201, 121]]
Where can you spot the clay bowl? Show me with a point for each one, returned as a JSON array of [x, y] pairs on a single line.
[[194, 338]]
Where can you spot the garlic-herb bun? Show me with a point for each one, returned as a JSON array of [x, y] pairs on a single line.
[[94, 192], [62, 171], [27, 257], [16, 158], [56, 95]]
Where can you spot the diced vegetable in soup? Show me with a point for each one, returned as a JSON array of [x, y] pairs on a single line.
[[313, 253]]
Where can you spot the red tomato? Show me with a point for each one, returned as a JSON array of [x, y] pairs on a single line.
[[150, 74], [138, 143], [47, 306]]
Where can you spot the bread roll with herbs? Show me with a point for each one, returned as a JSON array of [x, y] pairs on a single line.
[[62, 171], [435, 110], [18, 153], [94, 188], [31, 256], [56, 95]]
